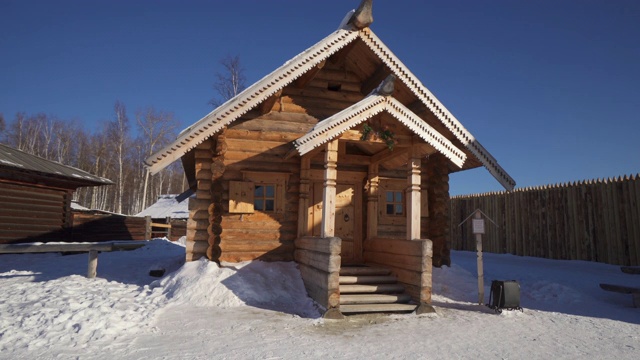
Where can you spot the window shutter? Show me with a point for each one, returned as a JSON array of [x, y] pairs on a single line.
[[241, 197]]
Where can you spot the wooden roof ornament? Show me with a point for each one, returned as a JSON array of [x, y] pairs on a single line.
[[363, 16], [307, 61]]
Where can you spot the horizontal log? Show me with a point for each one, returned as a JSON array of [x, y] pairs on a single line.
[[319, 278], [255, 246], [324, 84], [22, 204], [21, 222], [284, 127], [320, 261], [198, 235], [197, 247], [31, 193], [394, 246], [320, 93], [325, 298], [407, 262], [276, 255], [263, 135], [323, 245]]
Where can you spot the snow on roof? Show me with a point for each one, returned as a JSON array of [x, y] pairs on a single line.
[[78, 207], [167, 206]]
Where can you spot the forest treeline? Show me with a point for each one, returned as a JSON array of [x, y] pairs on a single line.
[[115, 149]]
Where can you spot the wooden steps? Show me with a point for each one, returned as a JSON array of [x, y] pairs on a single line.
[[363, 270], [373, 279], [371, 289], [376, 308], [374, 299], [366, 289]]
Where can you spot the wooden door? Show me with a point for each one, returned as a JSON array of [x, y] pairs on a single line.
[[348, 225]]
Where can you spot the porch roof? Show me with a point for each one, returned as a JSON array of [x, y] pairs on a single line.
[[367, 108]]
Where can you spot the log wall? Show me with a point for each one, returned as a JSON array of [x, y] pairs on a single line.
[[436, 227], [319, 263], [587, 220], [29, 212], [198, 224], [106, 227]]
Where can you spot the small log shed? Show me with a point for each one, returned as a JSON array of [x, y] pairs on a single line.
[[340, 157], [35, 197]]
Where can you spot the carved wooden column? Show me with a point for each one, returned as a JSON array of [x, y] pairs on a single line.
[[329, 192], [303, 202], [372, 201], [413, 196]]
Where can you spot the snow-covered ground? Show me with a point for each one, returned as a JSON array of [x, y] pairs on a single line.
[[49, 310]]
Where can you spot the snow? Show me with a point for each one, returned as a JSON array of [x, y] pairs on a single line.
[[200, 310], [167, 206]]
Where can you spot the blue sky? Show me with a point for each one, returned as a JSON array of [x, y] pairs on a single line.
[[550, 88]]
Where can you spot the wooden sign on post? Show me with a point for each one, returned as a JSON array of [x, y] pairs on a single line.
[[478, 231]]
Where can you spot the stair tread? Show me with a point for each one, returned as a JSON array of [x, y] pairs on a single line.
[[368, 279], [363, 270], [353, 299], [372, 288], [365, 308]]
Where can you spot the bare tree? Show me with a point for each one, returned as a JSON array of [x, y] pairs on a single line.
[[118, 134], [230, 82], [157, 128], [3, 125]]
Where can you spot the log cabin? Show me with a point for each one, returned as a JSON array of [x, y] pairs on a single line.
[[35, 197], [338, 160]]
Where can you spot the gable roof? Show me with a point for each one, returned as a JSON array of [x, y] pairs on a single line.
[[367, 108], [299, 65], [23, 162]]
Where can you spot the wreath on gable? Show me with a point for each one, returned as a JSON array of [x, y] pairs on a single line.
[[370, 131]]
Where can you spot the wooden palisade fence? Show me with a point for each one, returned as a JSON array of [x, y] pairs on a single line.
[[597, 220]]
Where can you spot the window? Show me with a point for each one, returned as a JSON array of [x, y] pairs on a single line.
[[395, 203], [264, 197], [392, 207], [259, 191]]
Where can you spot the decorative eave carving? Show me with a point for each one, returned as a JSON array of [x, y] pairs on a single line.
[[369, 107]]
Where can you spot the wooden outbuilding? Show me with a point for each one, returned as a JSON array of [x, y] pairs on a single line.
[[35, 197], [338, 160]]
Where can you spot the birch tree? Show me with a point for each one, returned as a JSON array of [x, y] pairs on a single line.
[[230, 81], [156, 129], [118, 134]]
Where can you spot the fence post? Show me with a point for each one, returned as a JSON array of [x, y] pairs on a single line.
[[147, 227]]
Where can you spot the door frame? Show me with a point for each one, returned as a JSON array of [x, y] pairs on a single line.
[[356, 179]]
